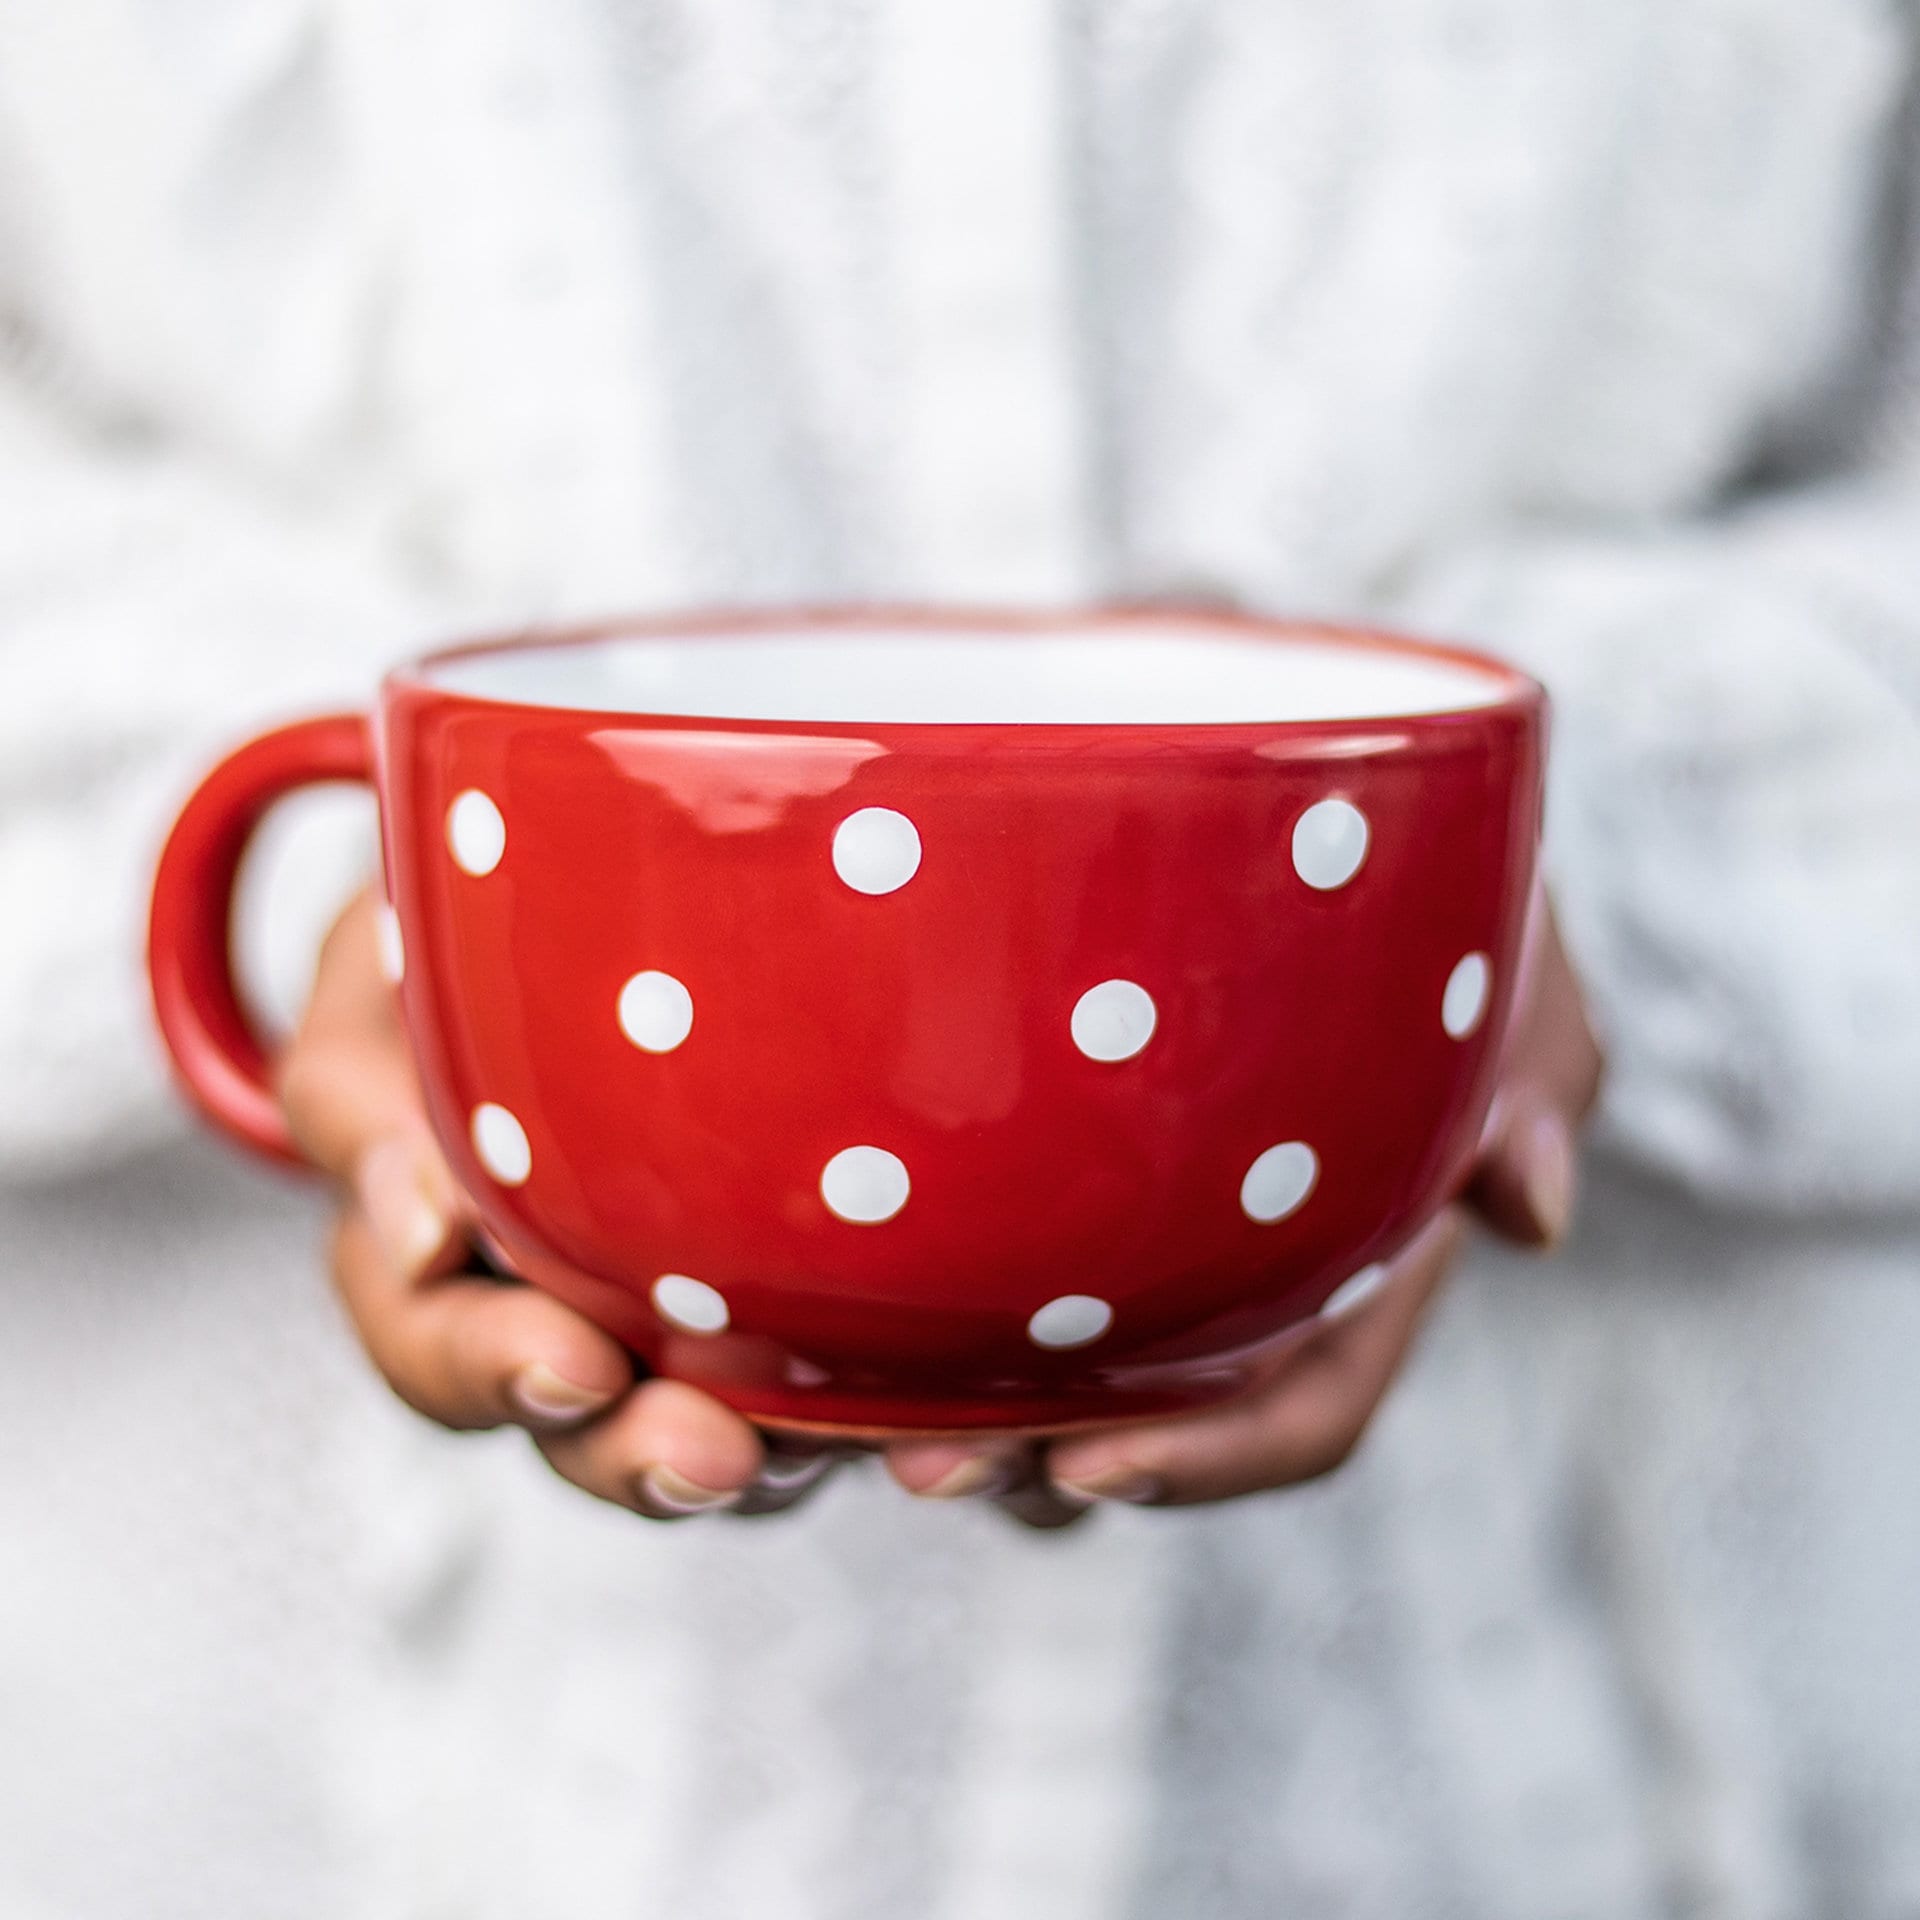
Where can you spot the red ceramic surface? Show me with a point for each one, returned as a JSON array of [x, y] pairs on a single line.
[[937, 1074]]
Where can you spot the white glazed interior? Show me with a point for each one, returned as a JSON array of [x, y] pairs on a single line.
[[1168, 673]]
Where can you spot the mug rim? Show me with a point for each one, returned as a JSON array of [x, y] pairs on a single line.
[[1518, 693]]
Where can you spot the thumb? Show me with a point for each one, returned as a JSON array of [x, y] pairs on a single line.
[[346, 1079], [353, 1101]]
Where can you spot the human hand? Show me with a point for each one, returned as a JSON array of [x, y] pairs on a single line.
[[465, 1347], [1319, 1390]]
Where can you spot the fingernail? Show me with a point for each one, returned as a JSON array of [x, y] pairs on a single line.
[[978, 1474], [553, 1400], [785, 1472], [1133, 1485], [668, 1491], [1547, 1176], [405, 1218]]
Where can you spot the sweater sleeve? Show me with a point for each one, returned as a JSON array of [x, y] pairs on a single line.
[[1734, 819], [192, 540], [151, 612]]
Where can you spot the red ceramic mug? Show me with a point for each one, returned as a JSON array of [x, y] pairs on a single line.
[[896, 1020]]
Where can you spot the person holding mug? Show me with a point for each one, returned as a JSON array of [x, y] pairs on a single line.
[[328, 331]]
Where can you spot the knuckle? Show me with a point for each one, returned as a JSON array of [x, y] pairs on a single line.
[[405, 1381], [410, 1395], [612, 1467], [1332, 1450], [408, 1366], [299, 1082], [318, 1090], [569, 1462]]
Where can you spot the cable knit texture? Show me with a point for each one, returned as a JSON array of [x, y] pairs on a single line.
[[1584, 330]]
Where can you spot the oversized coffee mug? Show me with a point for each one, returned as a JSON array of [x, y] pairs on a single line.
[[915, 1020]]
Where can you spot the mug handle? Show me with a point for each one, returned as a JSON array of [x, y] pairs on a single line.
[[220, 1059]]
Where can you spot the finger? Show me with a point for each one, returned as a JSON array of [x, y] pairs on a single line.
[[406, 1194], [668, 1450], [1301, 1422], [1525, 1184], [1002, 1468], [1565, 1057], [1034, 1501], [347, 1079], [351, 1097], [967, 1468], [469, 1352]]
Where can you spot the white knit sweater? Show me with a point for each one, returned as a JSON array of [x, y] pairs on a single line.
[[1587, 331]]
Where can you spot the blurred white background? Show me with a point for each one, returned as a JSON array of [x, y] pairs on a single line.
[[332, 327]]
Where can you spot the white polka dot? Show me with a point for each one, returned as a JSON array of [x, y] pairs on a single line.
[[501, 1142], [1354, 1292], [865, 1184], [393, 949], [1329, 843], [876, 850], [1465, 999], [1113, 1021], [1279, 1181], [1074, 1320], [656, 1012], [476, 832], [689, 1304]]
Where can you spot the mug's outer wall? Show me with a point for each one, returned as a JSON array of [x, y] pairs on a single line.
[[934, 1022]]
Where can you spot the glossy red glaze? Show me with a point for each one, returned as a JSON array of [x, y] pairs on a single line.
[[220, 1060], [934, 1022]]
